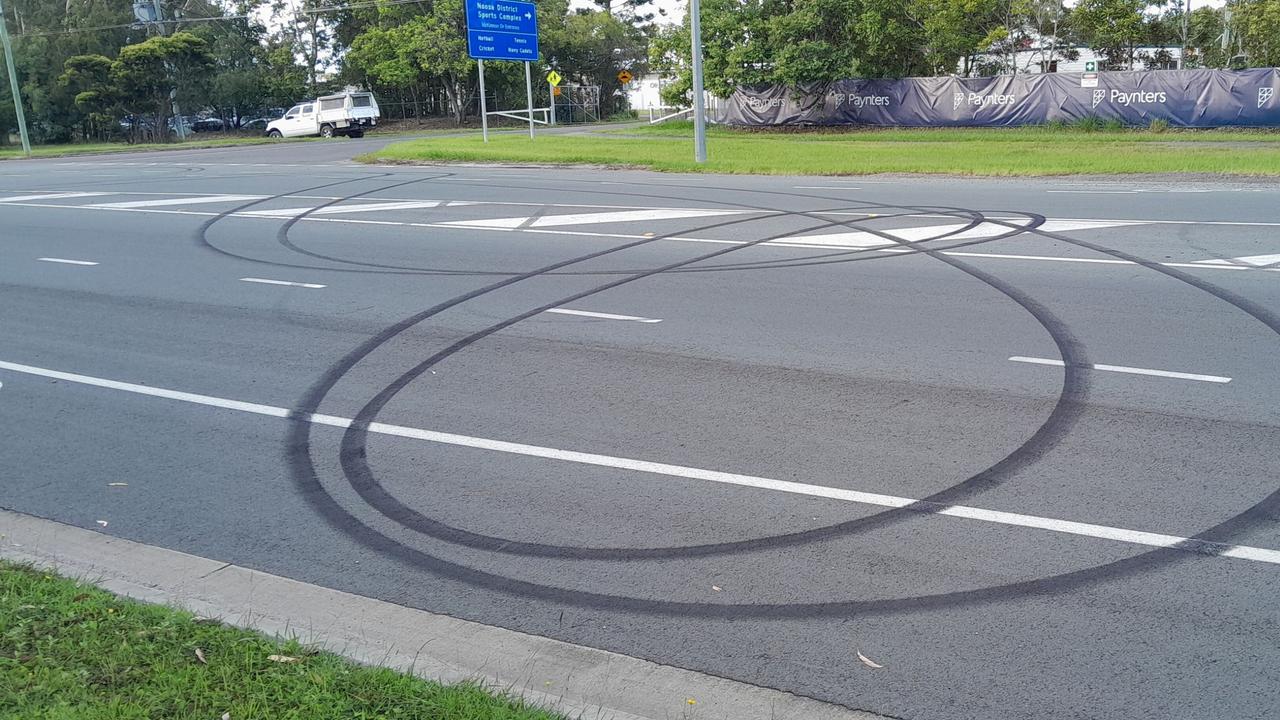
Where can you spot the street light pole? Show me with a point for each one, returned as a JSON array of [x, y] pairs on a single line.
[[699, 105], [13, 83], [178, 124], [1186, 24]]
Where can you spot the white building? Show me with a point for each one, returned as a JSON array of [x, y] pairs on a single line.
[[1035, 61], [644, 93]]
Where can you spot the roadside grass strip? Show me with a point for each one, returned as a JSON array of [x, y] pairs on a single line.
[[71, 650], [985, 152]]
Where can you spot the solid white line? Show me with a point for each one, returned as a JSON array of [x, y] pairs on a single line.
[[1129, 370], [340, 209], [264, 281], [197, 200], [51, 196], [605, 316], [1096, 192], [480, 224], [67, 262], [1069, 527], [998, 256]]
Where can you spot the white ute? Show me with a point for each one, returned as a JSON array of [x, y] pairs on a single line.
[[347, 113]]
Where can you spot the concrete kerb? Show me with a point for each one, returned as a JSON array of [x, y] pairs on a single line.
[[578, 681]]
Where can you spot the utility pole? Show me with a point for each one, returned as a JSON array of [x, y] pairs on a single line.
[[1186, 24], [699, 104], [178, 125], [13, 83]]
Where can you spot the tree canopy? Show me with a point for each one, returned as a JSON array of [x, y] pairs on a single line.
[[88, 69]]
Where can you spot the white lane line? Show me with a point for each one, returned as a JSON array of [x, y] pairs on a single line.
[[65, 261], [180, 201], [1070, 527], [51, 196], [264, 281], [825, 187], [1129, 370], [341, 209], [604, 316], [914, 234], [511, 225], [1247, 260], [1096, 192], [630, 216]]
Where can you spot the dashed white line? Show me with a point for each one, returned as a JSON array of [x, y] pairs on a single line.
[[65, 261], [603, 316], [1129, 370], [1069, 527], [264, 281]]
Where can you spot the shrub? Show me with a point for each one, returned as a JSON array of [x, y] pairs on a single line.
[[1089, 124]]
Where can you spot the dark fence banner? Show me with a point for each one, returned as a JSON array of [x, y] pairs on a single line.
[[1184, 98]]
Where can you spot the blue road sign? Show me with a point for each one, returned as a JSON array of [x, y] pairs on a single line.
[[502, 30]]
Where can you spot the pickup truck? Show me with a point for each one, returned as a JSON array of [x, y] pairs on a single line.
[[346, 113]]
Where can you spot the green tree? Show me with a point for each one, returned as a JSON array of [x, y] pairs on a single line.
[[594, 48], [145, 74], [1204, 38], [956, 30], [1112, 28], [1257, 23], [96, 98]]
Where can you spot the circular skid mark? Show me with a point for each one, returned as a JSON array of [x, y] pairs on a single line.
[[1059, 422]]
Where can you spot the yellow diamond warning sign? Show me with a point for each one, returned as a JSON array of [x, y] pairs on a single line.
[[624, 77], [554, 78]]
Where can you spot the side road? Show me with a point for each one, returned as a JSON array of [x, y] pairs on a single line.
[[573, 679]]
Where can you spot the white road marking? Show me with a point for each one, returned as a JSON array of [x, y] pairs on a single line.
[[1070, 527], [1129, 370], [1251, 260], [64, 261], [825, 187], [605, 316], [512, 225], [1053, 258], [863, 239], [1096, 192], [264, 281], [630, 216], [595, 218], [342, 209], [51, 196], [180, 201]]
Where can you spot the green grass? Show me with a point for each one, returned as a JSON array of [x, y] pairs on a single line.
[[69, 651], [1092, 129], [991, 152], [15, 153], [12, 153]]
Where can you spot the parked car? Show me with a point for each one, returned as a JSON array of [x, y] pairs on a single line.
[[147, 124], [347, 113], [207, 125]]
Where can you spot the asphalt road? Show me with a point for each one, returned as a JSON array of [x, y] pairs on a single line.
[[782, 426]]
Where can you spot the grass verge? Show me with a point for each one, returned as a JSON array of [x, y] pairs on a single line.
[[988, 152], [10, 153], [69, 650]]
